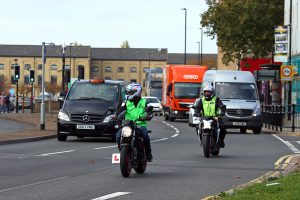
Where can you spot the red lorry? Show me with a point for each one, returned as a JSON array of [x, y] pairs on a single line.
[[181, 86]]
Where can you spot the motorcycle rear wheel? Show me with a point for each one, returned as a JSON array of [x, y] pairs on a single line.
[[125, 162], [141, 166], [206, 145]]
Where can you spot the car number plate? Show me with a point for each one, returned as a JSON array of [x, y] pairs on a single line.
[[239, 124], [91, 127]]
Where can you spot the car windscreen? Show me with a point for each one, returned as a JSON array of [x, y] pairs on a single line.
[[187, 90], [228, 90], [92, 91], [152, 100]]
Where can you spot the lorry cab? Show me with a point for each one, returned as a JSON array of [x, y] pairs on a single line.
[[181, 87], [238, 91]]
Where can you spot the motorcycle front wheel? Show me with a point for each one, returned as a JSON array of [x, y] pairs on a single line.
[[125, 162], [206, 145]]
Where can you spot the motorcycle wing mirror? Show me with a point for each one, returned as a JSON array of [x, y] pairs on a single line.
[[111, 109], [223, 107], [149, 108]]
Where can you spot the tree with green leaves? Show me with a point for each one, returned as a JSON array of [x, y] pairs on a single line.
[[125, 44], [243, 27]]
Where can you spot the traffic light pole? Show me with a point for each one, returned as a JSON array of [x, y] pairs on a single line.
[[31, 99], [17, 97]]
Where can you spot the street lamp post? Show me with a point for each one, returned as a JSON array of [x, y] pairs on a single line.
[[201, 45], [63, 68], [71, 58], [198, 53], [185, 16], [42, 118]]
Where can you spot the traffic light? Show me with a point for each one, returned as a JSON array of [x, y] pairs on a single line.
[[31, 77], [17, 72]]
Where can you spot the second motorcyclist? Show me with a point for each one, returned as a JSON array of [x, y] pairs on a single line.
[[212, 106], [135, 107]]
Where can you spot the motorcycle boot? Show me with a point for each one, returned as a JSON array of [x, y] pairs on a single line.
[[222, 137], [148, 153]]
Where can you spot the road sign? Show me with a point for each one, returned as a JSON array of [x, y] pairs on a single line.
[[286, 73]]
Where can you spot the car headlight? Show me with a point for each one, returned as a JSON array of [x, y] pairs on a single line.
[[126, 131], [108, 118], [257, 111], [63, 116]]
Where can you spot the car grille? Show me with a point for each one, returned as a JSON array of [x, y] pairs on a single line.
[[239, 112], [185, 105], [86, 118]]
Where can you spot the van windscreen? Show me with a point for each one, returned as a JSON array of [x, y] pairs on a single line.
[[86, 90], [228, 90]]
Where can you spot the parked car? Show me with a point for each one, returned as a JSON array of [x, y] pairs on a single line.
[[154, 101], [193, 121], [27, 103]]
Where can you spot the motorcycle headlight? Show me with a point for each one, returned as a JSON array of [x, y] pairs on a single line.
[[107, 119], [63, 116], [257, 111], [126, 131], [207, 124]]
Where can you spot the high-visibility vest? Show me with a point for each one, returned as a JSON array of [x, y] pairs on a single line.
[[209, 107], [133, 113]]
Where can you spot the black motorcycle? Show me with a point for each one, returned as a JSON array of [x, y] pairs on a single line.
[[133, 154], [208, 131]]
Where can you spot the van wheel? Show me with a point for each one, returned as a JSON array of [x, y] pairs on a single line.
[[243, 130], [256, 131], [61, 137], [170, 117]]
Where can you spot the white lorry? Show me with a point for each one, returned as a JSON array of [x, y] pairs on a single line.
[[238, 91]]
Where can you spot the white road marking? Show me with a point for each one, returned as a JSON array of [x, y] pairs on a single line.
[[175, 135], [159, 140], [60, 152], [33, 184], [287, 143], [109, 196], [107, 147]]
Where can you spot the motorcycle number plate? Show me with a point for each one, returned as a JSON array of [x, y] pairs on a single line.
[[90, 127], [239, 123]]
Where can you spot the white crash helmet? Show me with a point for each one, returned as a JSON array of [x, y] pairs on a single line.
[[208, 92], [133, 91]]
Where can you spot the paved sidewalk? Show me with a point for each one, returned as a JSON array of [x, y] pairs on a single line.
[[32, 123]]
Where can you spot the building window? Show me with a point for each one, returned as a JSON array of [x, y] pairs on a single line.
[[133, 69], [67, 66], [12, 80], [40, 79], [108, 69], [27, 66], [120, 69], [53, 80], [40, 66], [95, 69], [107, 78], [12, 66], [26, 79], [133, 80], [54, 67], [1, 66], [146, 69]]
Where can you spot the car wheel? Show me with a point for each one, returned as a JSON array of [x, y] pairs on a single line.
[[256, 131], [243, 130], [61, 137]]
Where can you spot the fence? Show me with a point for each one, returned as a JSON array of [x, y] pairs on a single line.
[[281, 116]]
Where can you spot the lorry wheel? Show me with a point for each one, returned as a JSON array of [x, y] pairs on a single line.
[[243, 130], [166, 116], [256, 131]]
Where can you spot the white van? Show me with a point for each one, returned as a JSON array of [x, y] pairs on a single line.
[[238, 91]]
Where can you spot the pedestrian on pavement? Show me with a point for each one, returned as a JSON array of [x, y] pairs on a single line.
[[3, 107]]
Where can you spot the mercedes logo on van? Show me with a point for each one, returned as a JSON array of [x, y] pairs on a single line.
[[239, 112], [86, 118]]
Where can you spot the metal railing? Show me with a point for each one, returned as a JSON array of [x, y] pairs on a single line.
[[281, 116]]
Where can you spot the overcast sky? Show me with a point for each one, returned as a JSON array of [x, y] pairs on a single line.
[[105, 23]]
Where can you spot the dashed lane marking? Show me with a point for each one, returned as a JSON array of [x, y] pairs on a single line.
[[113, 195], [54, 153]]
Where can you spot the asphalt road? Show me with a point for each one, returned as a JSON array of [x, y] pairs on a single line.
[[83, 169]]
